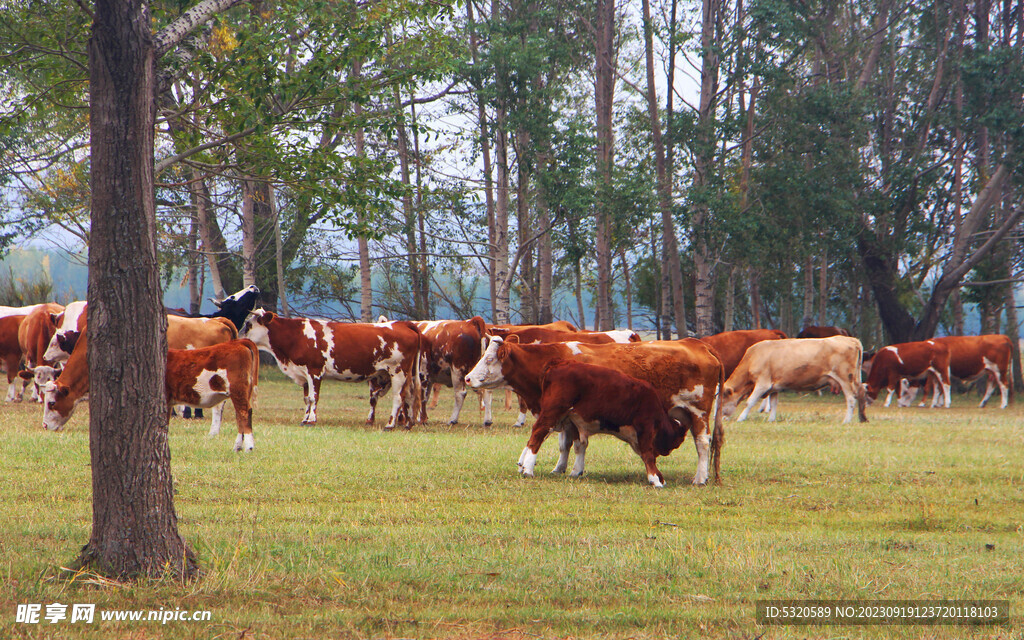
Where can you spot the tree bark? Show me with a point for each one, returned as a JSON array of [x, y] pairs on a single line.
[[282, 288], [363, 244], [670, 249], [823, 288], [730, 301], [211, 249], [603, 99], [135, 526]]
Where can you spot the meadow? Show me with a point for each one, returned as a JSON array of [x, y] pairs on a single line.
[[344, 531]]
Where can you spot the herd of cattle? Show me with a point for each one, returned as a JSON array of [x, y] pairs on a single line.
[[579, 383]]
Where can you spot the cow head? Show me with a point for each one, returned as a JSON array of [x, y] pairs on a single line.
[[487, 373], [257, 327], [58, 405], [730, 398], [238, 305]]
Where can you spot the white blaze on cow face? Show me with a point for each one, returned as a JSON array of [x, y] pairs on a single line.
[[52, 419], [487, 372], [254, 330], [72, 312]]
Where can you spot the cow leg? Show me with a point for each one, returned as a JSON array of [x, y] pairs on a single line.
[[243, 418], [702, 442], [486, 398], [436, 389], [459, 387], [645, 449], [13, 394], [755, 396], [218, 415], [773, 403], [579, 445], [398, 395], [564, 444], [508, 399], [888, 398], [937, 393], [312, 389], [765, 406], [850, 395], [654, 476]]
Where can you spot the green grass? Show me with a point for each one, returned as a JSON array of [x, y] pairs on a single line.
[[344, 531]]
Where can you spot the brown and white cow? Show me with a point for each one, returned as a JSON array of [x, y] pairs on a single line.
[[601, 400], [796, 364], [70, 324], [811, 331], [11, 355], [307, 351], [913, 361], [731, 345], [451, 348], [686, 374], [531, 334], [18, 311], [970, 358], [203, 377], [34, 336]]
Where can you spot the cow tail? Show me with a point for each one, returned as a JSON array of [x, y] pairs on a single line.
[[417, 384], [859, 385], [718, 436]]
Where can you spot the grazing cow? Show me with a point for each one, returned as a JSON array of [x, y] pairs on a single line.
[[558, 325], [685, 373], [451, 348], [70, 324], [730, 346], [202, 377], [796, 364], [811, 331], [541, 335], [910, 360], [970, 358], [34, 336], [307, 351], [601, 400], [11, 355]]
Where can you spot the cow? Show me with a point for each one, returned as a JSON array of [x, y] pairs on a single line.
[[557, 325], [451, 348], [202, 377], [18, 311], [796, 364], [731, 345], [686, 374], [235, 307], [539, 335], [11, 355], [910, 360], [601, 400], [811, 331], [970, 358], [70, 324], [34, 336], [307, 351]]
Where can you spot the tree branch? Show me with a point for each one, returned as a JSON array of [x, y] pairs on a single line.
[[169, 37]]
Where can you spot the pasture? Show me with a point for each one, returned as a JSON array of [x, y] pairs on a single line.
[[344, 531]]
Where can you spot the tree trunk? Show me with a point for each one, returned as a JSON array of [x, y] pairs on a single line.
[[808, 317], [502, 277], [135, 526], [409, 215], [730, 301], [282, 289], [528, 302], [211, 248], [703, 160], [823, 288], [195, 267], [603, 99], [1013, 333], [672, 270], [248, 233], [579, 297], [485, 151], [545, 258], [363, 244], [755, 299], [629, 288]]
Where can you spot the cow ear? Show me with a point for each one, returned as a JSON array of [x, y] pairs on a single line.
[[55, 318], [513, 338], [479, 323], [26, 374], [62, 391]]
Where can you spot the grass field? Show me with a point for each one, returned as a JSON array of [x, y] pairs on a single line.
[[343, 531]]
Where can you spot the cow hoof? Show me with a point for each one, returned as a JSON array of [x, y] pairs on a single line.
[[488, 423], [452, 423]]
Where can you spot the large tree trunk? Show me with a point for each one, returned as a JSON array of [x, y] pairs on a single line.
[[502, 277], [672, 270], [603, 99], [135, 526], [282, 288], [213, 242], [363, 244], [703, 159], [485, 152]]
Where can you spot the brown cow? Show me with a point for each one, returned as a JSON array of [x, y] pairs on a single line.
[[685, 373], [307, 351], [11, 355], [34, 336], [812, 331], [796, 364], [910, 360], [203, 377], [601, 400], [970, 358], [731, 345], [557, 325]]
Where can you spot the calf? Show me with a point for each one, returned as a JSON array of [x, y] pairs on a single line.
[[796, 364], [34, 336], [601, 400], [203, 377], [910, 360]]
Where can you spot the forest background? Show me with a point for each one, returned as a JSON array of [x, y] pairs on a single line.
[[698, 165]]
